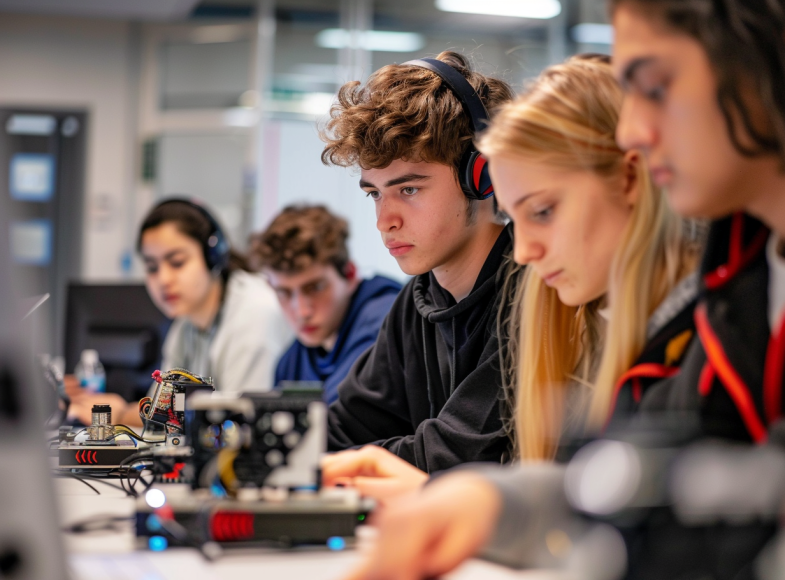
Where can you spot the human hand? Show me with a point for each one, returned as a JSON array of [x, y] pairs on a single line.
[[72, 388], [428, 534], [373, 471], [82, 407]]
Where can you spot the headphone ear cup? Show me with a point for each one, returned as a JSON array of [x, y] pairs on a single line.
[[475, 177], [217, 253]]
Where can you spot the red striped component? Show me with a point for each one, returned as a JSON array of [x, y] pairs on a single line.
[[86, 456], [232, 526]]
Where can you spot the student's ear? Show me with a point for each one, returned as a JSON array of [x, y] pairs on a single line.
[[631, 183], [350, 271]]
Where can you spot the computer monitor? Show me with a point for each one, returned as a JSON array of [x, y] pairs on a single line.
[[123, 325]]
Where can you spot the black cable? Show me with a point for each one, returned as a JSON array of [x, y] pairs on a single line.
[[97, 524], [101, 479]]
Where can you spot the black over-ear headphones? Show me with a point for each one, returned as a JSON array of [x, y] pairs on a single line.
[[217, 249], [473, 170]]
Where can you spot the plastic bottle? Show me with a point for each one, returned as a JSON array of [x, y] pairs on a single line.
[[90, 372]]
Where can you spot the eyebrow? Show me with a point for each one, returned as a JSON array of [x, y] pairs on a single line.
[[524, 197], [168, 256], [629, 72], [398, 180]]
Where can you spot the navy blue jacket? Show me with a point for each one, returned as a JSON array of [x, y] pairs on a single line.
[[369, 306]]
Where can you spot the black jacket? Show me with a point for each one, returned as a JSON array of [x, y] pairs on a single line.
[[429, 389], [664, 352], [722, 378]]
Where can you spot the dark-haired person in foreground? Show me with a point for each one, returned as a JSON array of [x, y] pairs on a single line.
[[335, 314], [429, 389], [227, 323]]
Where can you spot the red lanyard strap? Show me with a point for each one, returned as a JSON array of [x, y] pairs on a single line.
[[733, 383]]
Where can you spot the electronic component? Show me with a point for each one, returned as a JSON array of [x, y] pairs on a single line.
[[195, 519], [271, 439], [167, 406]]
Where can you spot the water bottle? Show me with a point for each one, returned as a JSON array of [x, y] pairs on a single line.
[[90, 372]]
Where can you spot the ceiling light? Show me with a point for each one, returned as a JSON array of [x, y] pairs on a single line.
[[375, 40], [590, 33], [517, 8]]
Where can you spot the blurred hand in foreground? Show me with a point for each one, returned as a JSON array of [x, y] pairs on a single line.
[[373, 471], [82, 408], [427, 534]]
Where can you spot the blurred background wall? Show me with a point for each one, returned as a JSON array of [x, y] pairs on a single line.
[[221, 99]]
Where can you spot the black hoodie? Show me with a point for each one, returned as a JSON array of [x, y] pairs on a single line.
[[732, 377], [429, 389]]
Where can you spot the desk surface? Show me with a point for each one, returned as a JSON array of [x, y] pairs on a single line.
[[102, 555]]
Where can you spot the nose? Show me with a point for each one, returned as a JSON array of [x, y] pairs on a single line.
[[527, 247], [635, 129], [388, 215], [165, 275], [302, 306]]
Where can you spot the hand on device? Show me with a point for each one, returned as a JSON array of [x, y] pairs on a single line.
[[374, 471], [428, 534]]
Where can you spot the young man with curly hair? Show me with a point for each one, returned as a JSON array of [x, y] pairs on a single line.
[[429, 389], [335, 314]]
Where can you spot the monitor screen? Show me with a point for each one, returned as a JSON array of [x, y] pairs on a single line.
[[124, 326]]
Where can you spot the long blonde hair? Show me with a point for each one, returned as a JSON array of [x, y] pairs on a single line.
[[567, 118]]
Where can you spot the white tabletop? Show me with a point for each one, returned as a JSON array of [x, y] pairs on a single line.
[[104, 555]]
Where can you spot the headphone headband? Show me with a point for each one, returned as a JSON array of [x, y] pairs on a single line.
[[465, 92], [473, 169]]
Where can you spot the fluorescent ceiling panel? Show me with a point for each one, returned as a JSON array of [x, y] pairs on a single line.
[[542, 9], [119, 9], [374, 40], [590, 33]]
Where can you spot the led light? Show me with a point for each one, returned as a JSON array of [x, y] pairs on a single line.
[[591, 33], [336, 543], [155, 498], [542, 9], [153, 524], [157, 543], [375, 40]]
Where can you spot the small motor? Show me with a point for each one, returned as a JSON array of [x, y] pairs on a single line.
[[101, 428], [167, 406]]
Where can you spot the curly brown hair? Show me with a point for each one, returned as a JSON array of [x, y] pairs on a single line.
[[406, 112], [299, 236]]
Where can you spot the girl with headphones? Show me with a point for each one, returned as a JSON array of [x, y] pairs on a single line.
[[227, 322], [604, 313]]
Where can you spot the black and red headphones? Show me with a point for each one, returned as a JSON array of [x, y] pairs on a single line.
[[473, 170]]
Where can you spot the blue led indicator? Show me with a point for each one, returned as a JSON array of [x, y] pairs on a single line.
[[158, 543], [153, 524], [335, 543]]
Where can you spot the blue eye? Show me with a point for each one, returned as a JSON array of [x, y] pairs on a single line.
[[374, 195]]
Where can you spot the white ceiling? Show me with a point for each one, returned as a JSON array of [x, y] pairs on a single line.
[[119, 9]]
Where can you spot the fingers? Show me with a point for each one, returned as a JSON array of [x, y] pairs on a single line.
[[351, 463], [397, 553], [72, 388], [383, 488]]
